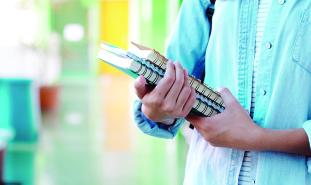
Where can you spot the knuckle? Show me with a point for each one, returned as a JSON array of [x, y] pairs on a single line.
[[170, 79], [157, 94], [156, 101], [223, 90], [168, 108]]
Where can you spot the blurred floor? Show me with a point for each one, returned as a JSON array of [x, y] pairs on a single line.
[[90, 139], [70, 149], [78, 144]]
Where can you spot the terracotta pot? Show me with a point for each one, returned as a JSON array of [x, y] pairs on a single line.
[[49, 98]]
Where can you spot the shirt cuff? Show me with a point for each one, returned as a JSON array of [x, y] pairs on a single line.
[[160, 125]]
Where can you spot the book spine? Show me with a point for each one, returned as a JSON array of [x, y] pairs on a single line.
[[204, 109], [140, 69], [205, 91], [159, 60]]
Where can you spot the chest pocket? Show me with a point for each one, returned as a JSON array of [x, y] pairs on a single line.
[[302, 43]]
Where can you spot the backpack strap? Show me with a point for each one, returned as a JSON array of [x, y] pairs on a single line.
[[210, 11], [199, 67]]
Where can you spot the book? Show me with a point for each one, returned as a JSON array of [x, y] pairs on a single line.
[[141, 60]]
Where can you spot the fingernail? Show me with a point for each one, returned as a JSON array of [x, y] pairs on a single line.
[[218, 89], [186, 72], [193, 90]]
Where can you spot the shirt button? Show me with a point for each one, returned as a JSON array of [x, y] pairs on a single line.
[[281, 2], [268, 45], [263, 92]]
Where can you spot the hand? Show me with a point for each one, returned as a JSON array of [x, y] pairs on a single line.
[[172, 98], [232, 128]]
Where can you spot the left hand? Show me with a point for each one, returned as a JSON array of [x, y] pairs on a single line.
[[232, 128]]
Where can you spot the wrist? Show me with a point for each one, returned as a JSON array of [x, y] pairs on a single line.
[[257, 141], [149, 114], [154, 117], [169, 121]]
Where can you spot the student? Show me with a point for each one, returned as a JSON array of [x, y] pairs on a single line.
[[260, 50]]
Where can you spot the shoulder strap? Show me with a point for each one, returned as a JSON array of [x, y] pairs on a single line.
[[199, 68], [210, 11]]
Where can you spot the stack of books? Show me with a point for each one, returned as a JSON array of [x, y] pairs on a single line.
[[141, 60]]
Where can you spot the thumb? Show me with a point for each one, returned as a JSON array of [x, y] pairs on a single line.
[[140, 87], [227, 96], [197, 121]]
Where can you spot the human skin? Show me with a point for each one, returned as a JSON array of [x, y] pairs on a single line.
[[173, 98]]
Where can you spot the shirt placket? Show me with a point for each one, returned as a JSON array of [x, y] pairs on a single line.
[[247, 18], [264, 87]]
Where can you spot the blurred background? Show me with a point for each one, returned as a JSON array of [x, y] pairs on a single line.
[[65, 117]]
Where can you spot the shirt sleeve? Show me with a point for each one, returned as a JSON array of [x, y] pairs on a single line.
[[152, 128], [186, 45], [190, 35], [307, 127]]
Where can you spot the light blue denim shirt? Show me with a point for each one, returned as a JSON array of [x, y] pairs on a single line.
[[283, 97]]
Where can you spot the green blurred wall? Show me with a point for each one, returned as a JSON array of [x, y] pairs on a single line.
[[75, 55]]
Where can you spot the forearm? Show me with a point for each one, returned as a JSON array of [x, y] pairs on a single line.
[[289, 141], [233, 128]]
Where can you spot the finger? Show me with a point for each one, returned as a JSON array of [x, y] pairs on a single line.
[[227, 96], [190, 102], [166, 82], [186, 74], [183, 97], [140, 87], [178, 84], [184, 94]]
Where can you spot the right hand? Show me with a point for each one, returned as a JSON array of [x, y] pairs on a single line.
[[172, 98]]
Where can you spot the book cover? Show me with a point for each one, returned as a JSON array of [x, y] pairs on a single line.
[[141, 60]]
